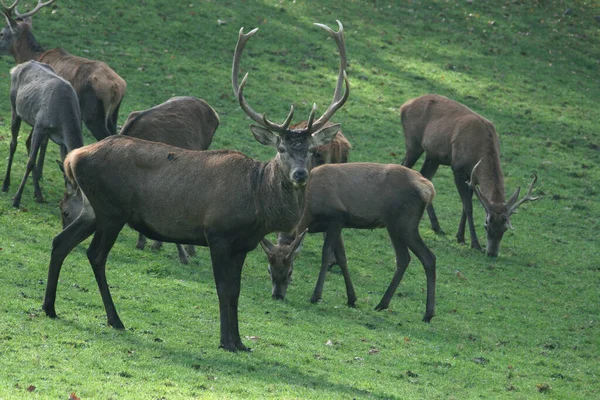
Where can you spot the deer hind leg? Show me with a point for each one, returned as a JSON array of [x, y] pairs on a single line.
[[14, 127], [103, 241], [191, 250], [402, 261], [333, 233], [37, 170], [183, 257], [93, 114], [428, 259], [227, 270], [36, 142], [62, 245], [428, 170], [141, 242], [466, 196]]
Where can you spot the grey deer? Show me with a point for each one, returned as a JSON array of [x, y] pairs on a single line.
[[99, 89], [360, 196], [183, 121], [48, 103], [451, 134], [222, 199]]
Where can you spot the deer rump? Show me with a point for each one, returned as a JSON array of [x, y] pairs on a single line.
[[164, 199]]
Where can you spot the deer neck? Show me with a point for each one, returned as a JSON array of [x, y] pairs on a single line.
[[279, 203], [27, 48], [491, 180]]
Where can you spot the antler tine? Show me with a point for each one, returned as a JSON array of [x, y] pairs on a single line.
[[311, 117], [30, 13], [238, 89], [527, 197], [482, 199], [337, 102]]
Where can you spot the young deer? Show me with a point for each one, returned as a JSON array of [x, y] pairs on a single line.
[[221, 199], [184, 121], [99, 88], [48, 103], [360, 196], [451, 134]]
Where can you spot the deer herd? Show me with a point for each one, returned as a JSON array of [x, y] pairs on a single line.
[[157, 176]]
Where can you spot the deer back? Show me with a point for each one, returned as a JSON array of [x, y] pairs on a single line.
[[184, 121]]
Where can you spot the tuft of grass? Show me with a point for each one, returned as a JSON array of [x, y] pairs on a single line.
[[524, 324]]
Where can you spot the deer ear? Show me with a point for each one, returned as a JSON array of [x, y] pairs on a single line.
[[267, 246], [297, 244], [325, 135], [264, 136]]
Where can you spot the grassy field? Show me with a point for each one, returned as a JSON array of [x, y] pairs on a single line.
[[524, 325]]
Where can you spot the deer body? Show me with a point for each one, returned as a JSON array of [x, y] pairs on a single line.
[[221, 199], [99, 89], [361, 196], [451, 134], [186, 122], [48, 103]]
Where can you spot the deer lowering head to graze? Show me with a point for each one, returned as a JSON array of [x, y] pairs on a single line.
[[361, 196], [451, 134], [184, 121], [48, 103], [99, 88], [217, 198]]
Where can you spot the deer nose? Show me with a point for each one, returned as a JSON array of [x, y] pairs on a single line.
[[300, 175]]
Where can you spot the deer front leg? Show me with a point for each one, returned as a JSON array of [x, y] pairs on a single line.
[[183, 257], [14, 128], [340, 255], [227, 270], [466, 196], [37, 139], [141, 242], [331, 237]]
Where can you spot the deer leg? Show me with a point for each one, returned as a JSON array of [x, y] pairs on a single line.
[[340, 255], [141, 242], [103, 241], [402, 261], [112, 120], [183, 257], [37, 170], [331, 257], [466, 196], [428, 170], [93, 114], [37, 140], [14, 127], [62, 245], [157, 245], [428, 259], [227, 270], [333, 232], [191, 250]]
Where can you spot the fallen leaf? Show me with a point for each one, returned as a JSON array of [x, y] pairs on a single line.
[[373, 351], [73, 396], [329, 343], [30, 388]]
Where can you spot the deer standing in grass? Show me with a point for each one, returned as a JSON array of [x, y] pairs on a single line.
[[451, 134], [99, 88], [221, 199], [186, 122], [360, 196], [48, 103]]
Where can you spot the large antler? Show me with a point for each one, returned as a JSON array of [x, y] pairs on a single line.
[[482, 199], [238, 90], [8, 10], [338, 99], [513, 204]]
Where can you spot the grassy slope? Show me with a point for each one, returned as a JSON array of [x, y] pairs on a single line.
[[523, 325]]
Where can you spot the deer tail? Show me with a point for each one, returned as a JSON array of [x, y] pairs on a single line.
[[68, 168], [425, 188]]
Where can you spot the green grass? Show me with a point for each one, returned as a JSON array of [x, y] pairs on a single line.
[[524, 325]]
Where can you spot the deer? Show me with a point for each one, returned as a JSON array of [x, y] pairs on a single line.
[[221, 199], [360, 196], [449, 133], [99, 88], [183, 121], [48, 103]]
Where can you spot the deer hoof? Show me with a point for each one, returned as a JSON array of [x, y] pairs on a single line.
[[315, 299], [427, 318], [380, 307]]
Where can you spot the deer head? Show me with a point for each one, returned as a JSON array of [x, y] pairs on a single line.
[[497, 219], [293, 145], [16, 24]]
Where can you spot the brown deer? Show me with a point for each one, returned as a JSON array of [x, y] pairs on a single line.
[[361, 196], [99, 88], [184, 121], [217, 198], [48, 103], [451, 134]]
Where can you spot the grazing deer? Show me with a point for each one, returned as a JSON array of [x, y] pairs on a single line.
[[99, 88], [361, 196], [217, 198], [451, 134], [184, 121], [48, 103]]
